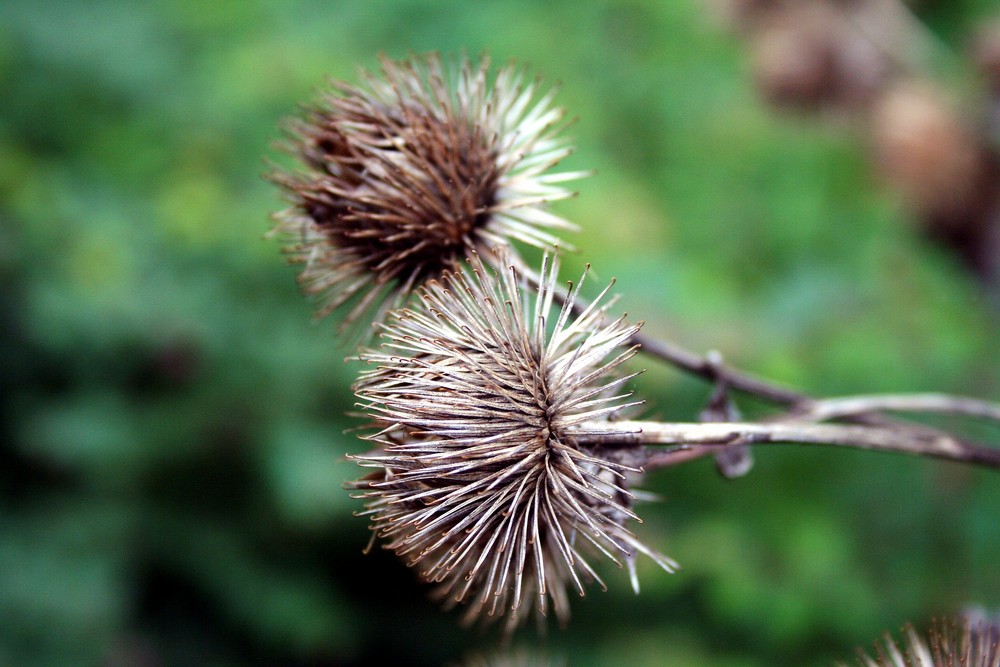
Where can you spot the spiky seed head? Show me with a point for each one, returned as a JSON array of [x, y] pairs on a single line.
[[967, 642], [479, 482], [406, 174]]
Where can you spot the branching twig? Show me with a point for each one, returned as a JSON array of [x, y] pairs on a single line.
[[706, 367], [885, 439], [852, 406], [871, 430]]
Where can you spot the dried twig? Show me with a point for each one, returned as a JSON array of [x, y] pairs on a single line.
[[729, 434], [851, 406]]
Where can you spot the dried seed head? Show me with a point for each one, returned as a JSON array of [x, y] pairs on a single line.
[[970, 642], [407, 174], [479, 482]]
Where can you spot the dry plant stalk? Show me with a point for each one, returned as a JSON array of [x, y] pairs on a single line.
[[503, 463]]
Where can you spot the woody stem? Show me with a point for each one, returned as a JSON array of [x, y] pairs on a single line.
[[695, 440]]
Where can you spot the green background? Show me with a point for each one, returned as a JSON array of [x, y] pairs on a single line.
[[173, 420]]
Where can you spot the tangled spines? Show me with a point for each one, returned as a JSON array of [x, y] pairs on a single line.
[[407, 173], [478, 481]]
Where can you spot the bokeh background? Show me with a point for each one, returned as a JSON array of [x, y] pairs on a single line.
[[173, 420]]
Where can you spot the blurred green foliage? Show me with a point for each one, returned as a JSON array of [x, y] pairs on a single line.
[[173, 421]]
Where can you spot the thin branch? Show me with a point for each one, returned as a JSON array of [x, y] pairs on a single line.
[[729, 434], [709, 367], [852, 406], [862, 409]]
